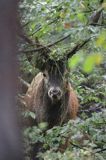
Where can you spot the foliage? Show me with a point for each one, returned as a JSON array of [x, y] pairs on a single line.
[[49, 21], [91, 90], [75, 140]]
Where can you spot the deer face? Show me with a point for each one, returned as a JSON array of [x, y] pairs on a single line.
[[53, 77]]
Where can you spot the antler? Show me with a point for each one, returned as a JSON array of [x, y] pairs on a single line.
[[43, 49], [42, 46], [77, 48]]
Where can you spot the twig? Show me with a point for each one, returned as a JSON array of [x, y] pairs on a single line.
[[24, 25], [37, 30], [21, 100], [26, 84], [73, 144], [77, 146], [40, 27], [28, 40], [96, 24], [102, 150]]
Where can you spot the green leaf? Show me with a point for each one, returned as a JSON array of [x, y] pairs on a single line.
[[91, 61], [81, 17], [73, 62], [27, 114], [43, 125], [101, 41], [88, 64], [32, 114]]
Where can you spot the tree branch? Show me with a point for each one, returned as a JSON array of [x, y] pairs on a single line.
[[25, 38], [24, 25], [102, 150], [26, 84], [40, 27]]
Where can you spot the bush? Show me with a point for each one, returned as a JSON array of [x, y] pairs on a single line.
[[74, 140]]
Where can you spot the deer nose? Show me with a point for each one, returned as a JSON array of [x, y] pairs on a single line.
[[54, 92]]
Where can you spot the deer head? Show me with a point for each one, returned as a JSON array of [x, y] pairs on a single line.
[[54, 71]]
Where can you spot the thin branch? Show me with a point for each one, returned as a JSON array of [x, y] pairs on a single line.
[[21, 100], [24, 25], [102, 150], [26, 84], [77, 146], [73, 144], [40, 27], [37, 30], [99, 25], [25, 37], [21, 34]]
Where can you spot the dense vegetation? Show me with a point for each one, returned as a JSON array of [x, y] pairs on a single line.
[[61, 25]]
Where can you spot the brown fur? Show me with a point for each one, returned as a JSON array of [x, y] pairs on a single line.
[[35, 101]]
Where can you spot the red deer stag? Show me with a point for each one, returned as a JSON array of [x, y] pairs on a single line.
[[50, 94]]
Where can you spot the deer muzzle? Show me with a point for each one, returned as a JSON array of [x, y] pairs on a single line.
[[55, 93]]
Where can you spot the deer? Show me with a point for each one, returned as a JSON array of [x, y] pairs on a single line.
[[50, 95]]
